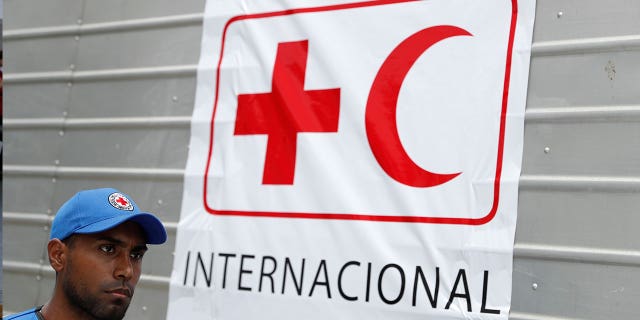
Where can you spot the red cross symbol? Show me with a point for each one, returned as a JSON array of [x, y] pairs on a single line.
[[122, 201], [286, 111]]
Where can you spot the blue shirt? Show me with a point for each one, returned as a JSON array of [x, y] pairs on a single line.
[[25, 315]]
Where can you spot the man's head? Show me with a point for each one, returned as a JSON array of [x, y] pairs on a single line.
[[98, 239]]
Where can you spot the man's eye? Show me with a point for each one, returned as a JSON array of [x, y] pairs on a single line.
[[107, 248], [137, 255]]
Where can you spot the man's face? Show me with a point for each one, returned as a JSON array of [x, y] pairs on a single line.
[[103, 269]]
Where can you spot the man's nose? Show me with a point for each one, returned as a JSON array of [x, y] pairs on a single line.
[[123, 267]]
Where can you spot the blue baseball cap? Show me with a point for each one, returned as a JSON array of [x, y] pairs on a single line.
[[97, 210]]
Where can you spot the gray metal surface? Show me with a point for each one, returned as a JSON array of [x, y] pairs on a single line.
[[97, 93], [101, 93], [577, 253]]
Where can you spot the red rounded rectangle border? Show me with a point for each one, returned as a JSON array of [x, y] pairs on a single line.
[[365, 216]]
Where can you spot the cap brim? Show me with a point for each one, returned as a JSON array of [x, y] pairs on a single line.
[[152, 226]]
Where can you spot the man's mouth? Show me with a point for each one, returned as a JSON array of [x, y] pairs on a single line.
[[121, 292]]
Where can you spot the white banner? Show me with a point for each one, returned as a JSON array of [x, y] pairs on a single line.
[[354, 160]]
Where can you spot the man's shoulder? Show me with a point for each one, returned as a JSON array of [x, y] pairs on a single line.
[[24, 315]]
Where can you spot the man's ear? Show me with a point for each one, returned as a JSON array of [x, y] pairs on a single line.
[[58, 252]]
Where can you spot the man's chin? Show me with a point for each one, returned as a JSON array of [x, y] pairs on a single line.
[[115, 310]]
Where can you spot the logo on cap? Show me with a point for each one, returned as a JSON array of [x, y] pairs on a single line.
[[119, 201]]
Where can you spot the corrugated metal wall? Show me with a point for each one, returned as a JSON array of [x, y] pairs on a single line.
[[101, 93], [97, 93], [577, 242]]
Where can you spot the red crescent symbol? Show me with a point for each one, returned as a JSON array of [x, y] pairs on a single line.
[[380, 115]]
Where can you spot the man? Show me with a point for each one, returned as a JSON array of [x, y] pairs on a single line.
[[97, 242]]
